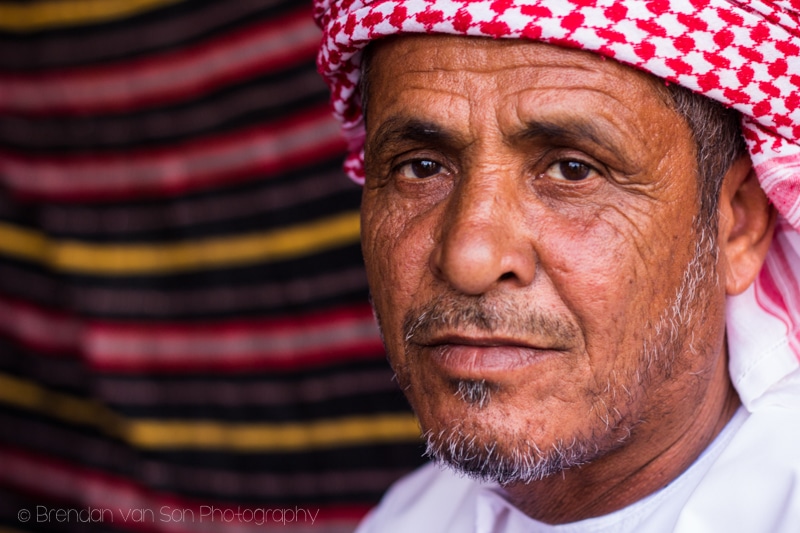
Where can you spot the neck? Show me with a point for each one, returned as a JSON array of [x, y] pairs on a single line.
[[658, 453]]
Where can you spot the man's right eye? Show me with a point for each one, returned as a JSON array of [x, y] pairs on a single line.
[[420, 169]]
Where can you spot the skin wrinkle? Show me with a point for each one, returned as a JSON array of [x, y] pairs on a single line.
[[458, 448], [641, 244], [613, 273], [715, 130]]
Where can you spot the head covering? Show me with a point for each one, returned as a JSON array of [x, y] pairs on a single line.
[[745, 54]]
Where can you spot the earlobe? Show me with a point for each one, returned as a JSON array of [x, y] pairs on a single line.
[[746, 225]]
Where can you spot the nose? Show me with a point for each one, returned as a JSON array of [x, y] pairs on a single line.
[[482, 241]]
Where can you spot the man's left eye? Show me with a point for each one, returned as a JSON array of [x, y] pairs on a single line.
[[569, 170]]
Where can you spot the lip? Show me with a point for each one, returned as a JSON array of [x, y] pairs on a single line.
[[482, 358]]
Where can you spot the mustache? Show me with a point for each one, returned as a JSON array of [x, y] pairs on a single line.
[[479, 314]]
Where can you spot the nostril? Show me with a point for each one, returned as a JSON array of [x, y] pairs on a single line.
[[507, 275]]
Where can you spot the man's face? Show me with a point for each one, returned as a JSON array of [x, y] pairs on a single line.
[[530, 240]]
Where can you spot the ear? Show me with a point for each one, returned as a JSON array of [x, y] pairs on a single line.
[[746, 225]]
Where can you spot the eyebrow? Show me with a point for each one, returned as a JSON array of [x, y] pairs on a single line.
[[574, 132], [397, 130]]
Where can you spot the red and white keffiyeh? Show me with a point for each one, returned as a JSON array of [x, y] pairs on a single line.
[[745, 54]]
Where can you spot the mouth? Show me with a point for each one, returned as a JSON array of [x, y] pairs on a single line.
[[483, 358]]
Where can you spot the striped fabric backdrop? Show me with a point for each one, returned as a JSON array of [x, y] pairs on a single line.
[[185, 338]]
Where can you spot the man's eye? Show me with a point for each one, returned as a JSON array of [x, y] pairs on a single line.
[[570, 170], [420, 169]]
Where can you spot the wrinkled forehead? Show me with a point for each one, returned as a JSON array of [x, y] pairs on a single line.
[[423, 54], [460, 71]]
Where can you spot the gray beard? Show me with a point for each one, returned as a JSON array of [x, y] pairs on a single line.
[[519, 459]]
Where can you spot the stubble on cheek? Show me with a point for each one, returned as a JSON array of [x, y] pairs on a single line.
[[476, 439], [475, 425]]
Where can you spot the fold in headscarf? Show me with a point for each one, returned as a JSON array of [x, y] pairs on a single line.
[[744, 54]]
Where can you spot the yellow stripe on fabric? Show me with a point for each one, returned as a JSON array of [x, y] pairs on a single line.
[[137, 259], [356, 430], [206, 435], [33, 397], [32, 16]]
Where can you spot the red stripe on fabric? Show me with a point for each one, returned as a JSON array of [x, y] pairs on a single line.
[[776, 281], [788, 292], [787, 283], [45, 330], [83, 486], [336, 336], [769, 297], [160, 79], [302, 119], [187, 362], [340, 335], [258, 151]]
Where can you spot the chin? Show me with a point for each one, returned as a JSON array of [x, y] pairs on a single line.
[[476, 433]]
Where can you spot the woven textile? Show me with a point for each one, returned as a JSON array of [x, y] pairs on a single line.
[[184, 322], [744, 54]]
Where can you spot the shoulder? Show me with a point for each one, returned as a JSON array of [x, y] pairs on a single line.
[[754, 485], [431, 498], [771, 433]]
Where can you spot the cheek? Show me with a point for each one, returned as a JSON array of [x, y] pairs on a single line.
[[396, 249], [601, 273], [591, 265], [618, 274]]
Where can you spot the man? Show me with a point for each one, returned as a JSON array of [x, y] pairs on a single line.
[[553, 241]]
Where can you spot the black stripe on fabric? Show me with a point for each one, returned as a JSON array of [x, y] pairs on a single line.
[[61, 374], [247, 222], [321, 371], [23, 361], [331, 409], [313, 182], [346, 285], [274, 289], [356, 387], [254, 102], [348, 474], [311, 192], [298, 413], [155, 31], [69, 376], [344, 458], [309, 385]]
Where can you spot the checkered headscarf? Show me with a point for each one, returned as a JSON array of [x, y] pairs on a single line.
[[745, 54]]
